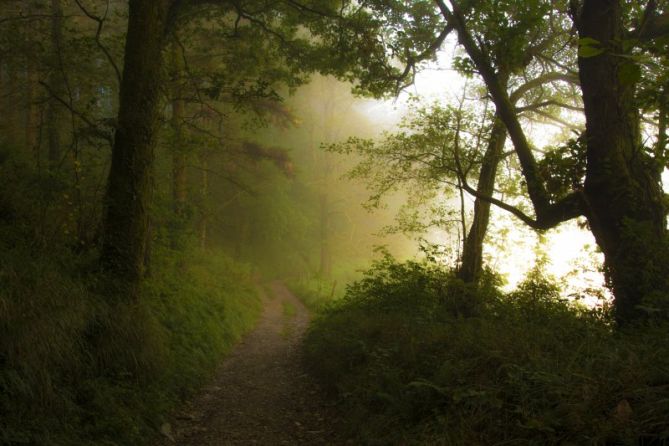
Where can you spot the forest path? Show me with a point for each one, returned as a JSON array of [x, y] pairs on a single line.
[[261, 394]]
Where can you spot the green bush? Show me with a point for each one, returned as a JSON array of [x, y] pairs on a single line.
[[417, 357]]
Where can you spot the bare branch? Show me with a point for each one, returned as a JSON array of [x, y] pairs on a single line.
[[544, 79], [538, 105], [107, 136], [557, 120], [101, 22]]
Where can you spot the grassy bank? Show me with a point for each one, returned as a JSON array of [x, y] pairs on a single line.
[[417, 357], [76, 369], [317, 293]]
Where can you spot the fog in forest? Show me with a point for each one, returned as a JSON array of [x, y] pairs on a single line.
[[318, 222]]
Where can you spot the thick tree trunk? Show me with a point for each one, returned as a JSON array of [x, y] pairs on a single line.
[[472, 250], [622, 187], [127, 201], [622, 197]]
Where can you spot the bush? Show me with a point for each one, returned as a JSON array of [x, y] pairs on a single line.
[[418, 357]]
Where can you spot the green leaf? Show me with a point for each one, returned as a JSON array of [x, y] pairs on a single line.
[[588, 41], [589, 47], [589, 51]]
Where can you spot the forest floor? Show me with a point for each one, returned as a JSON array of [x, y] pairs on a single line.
[[261, 394]]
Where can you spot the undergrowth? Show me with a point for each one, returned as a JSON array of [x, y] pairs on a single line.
[[76, 369], [317, 292], [415, 356]]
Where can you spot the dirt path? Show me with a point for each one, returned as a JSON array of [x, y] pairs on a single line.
[[261, 394]]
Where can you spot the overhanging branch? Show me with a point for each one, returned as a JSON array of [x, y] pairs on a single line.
[[548, 214]]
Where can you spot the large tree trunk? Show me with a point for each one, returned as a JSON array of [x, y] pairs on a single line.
[[622, 186], [472, 252], [127, 201]]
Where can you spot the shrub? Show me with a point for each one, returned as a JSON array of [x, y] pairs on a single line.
[[417, 357]]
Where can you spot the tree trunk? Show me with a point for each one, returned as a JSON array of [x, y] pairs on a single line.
[[325, 270], [12, 118], [128, 189], [661, 147], [622, 187], [472, 251], [56, 82], [179, 178], [204, 195], [32, 123]]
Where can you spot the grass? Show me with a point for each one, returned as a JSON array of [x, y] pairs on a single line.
[[318, 293], [288, 309], [417, 357], [77, 370], [76, 367]]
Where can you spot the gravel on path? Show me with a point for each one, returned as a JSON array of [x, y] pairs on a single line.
[[261, 394]]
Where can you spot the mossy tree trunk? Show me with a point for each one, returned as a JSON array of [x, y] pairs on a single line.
[[125, 224], [622, 187]]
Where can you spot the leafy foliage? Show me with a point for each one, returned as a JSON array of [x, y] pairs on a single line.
[[416, 358], [563, 168]]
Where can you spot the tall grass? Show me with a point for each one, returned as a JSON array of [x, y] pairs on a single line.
[[417, 357], [76, 369]]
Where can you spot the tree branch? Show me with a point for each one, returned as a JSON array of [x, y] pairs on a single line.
[[544, 79], [557, 120], [548, 214], [653, 25], [537, 105], [94, 127], [505, 109], [413, 60], [101, 21]]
